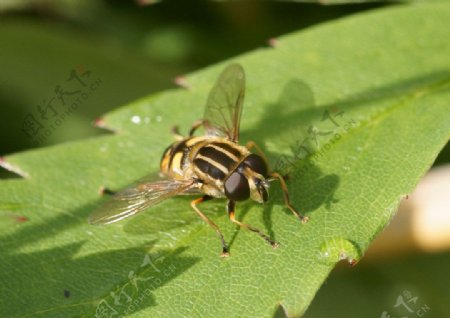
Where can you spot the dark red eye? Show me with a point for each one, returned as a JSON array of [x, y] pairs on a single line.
[[236, 187], [257, 164]]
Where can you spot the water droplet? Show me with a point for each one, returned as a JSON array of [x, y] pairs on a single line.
[[136, 120], [337, 249], [146, 120], [158, 119]]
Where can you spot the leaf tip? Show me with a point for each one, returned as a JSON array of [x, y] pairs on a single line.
[[144, 3], [101, 123], [16, 218], [273, 42], [181, 81], [281, 311], [10, 167]]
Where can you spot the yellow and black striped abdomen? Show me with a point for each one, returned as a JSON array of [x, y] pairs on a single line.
[[203, 157], [217, 159], [175, 161]]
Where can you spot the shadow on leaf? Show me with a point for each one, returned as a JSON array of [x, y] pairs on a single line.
[[55, 283]]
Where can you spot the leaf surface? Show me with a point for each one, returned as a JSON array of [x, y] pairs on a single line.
[[356, 110]]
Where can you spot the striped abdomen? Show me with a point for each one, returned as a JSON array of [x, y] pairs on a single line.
[[207, 158]]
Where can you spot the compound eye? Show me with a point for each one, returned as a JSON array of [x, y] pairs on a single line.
[[236, 187], [257, 164]]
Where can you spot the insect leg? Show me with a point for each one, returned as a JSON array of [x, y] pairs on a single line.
[[176, 133], [195, 126], [106, 191], [211, 223], [284, 188], [230, 208], [251, 144]]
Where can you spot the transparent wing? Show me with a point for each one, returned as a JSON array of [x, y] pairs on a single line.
[[138, 198], [224, 105]]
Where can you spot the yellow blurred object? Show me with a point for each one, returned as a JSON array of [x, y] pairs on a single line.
[[422, 221]]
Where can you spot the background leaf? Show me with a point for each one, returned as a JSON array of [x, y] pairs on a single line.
[[382, 73], [373, 287]]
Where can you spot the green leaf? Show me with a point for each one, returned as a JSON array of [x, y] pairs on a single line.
[[383, 77]]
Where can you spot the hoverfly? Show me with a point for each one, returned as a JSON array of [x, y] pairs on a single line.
[[214, 165]]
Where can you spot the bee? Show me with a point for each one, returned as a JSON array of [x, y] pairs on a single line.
[[214, 165]]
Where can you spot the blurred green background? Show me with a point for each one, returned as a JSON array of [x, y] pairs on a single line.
[[136, 49]]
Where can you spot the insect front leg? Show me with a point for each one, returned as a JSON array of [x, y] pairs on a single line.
[[176, 133], [195, 126], [284, 188], [225, 250], [230, 207]]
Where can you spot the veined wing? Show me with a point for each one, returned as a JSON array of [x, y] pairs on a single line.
[[224, 105], [138, 198]]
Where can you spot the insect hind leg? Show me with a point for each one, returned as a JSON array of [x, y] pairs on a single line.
[[106, 191], [230, 208], [225, 249]]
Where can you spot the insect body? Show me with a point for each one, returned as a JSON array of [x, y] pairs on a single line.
[[214, 165], [224, 168]]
